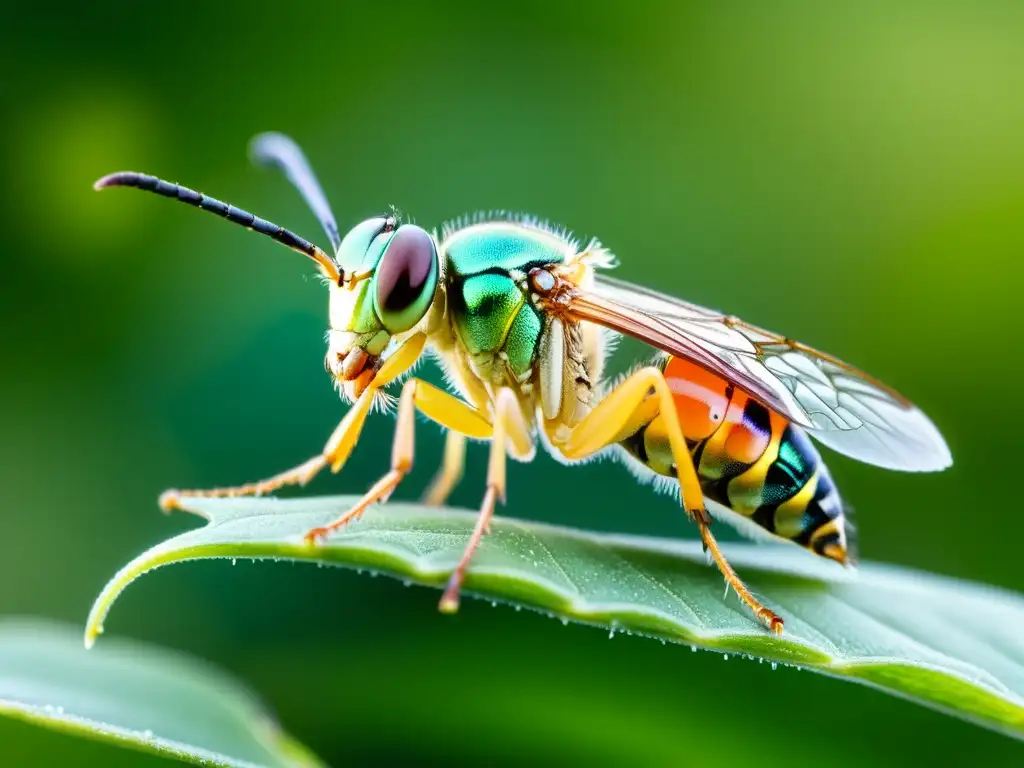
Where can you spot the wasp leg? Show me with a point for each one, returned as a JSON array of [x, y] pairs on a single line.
[[611, 420], [337, 449], [450, 473], [438, 405], [508, 423]]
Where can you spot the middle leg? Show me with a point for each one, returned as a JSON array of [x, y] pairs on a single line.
[[440, 406], [511, 435]]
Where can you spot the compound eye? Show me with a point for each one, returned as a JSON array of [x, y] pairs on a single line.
[[406, 278], [362, 246]]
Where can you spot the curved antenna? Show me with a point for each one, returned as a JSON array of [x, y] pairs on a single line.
[[229, 212], [278, 150]]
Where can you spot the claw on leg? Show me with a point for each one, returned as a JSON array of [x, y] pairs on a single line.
[[380, 492], [450, 599], [770, 619], [169, 500]]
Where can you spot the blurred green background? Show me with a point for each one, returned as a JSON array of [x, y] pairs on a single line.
[[851, 175]]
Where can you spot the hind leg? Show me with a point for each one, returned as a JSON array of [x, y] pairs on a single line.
[[615, 416], [453, 464]]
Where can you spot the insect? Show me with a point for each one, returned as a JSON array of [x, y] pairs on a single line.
[[519, 315]]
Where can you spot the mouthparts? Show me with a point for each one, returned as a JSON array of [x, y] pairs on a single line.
[[353, 371]]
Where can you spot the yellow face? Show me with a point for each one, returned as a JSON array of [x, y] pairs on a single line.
[[356, 340]]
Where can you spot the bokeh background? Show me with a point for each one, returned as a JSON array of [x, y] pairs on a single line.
[[849, 174]]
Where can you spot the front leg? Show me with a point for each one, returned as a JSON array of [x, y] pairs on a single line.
[[616, 415], [338, 447], [334, 454]]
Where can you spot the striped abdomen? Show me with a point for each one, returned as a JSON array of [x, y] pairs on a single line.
[[749, 459]]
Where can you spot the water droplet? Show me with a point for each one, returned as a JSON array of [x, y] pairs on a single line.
[[565, 622], [725, 656], [611, 633], [234, 561], [775, 665], [406, 582], [494, 603], [693, 648], [147, 734], [519, 607]]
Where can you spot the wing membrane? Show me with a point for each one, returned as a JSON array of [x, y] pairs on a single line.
[[840, 406]]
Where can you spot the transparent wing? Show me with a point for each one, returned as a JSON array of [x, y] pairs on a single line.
[[842, 407]]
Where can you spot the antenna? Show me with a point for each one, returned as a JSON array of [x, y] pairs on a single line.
[[280, 151], [229, 212]]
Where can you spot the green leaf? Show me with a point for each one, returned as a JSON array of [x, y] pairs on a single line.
[[947, 644], [139, 697]]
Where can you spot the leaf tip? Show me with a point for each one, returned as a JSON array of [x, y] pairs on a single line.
[[92, 631]]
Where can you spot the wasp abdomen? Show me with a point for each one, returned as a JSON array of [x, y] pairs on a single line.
[[749, 459]]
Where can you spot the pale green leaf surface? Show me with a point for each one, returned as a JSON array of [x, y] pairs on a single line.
[[952, 645], [139, 697]]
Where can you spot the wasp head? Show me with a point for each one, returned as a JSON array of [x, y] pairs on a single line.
[[388, 278]]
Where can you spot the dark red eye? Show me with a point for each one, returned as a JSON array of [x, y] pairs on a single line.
[[406, 278]]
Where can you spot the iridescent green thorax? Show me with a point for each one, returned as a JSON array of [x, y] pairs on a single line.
[[486, 266], [502, 246]]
